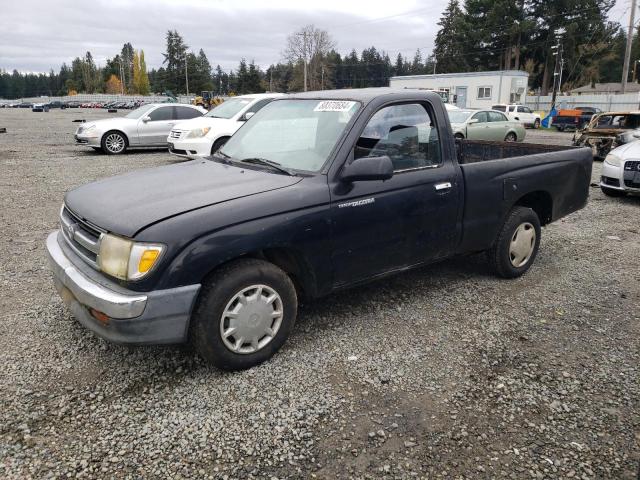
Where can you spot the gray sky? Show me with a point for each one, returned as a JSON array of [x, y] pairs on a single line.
[[36, 35]]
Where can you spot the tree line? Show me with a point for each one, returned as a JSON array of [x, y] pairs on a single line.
[[474, 35]]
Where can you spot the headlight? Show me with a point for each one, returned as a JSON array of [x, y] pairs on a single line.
[[198, 132], [125, 259], [614, 160]]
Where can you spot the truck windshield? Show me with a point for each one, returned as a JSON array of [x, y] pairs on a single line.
[[297, 134], [459, 116], [229, 108]]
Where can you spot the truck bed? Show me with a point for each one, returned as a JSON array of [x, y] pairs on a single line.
[[472, 151], [498, 174]]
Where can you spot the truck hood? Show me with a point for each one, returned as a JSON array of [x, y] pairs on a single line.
[[128, 203]]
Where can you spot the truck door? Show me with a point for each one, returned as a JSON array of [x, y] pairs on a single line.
[[379, 226]]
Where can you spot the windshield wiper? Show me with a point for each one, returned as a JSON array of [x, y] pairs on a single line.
[[268, 163]]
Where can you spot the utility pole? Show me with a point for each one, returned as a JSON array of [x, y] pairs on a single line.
[[271, 79], [435, 62], [557, 69], [627, 52], [186, 71], [322, 79], [121, 77]]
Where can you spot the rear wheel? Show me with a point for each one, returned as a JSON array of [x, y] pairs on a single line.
[[114, 143], [218, 144], [511, 137], [245, 313], [610, 192], [516, 246]]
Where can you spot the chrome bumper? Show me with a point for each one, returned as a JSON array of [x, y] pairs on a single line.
[[137, 318]]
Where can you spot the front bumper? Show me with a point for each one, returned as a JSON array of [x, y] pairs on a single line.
[[192, 148], [156, 317], [88, 140], [613, 178]]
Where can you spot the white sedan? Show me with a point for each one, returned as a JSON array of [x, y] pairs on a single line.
[[147, 126], [621, 171], [203, 136]]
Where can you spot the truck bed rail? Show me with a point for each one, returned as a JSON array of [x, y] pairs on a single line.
[[472, 151]]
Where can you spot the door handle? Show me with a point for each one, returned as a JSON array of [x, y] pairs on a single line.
[[443, 186]]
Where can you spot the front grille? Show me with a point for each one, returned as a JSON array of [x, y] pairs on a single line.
[[175, 134], [633, 166], [82, 237], [614, 182]]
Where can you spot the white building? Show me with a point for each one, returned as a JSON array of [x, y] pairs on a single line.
[[472, 89]]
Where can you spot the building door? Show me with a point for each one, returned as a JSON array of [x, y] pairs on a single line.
[[461, 94]]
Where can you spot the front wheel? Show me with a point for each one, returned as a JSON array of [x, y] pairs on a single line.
[[511, 137], [114, 143], [245, 313], [516, 247]]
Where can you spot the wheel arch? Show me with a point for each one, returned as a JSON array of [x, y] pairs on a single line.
[[115, 130], [540, 202]]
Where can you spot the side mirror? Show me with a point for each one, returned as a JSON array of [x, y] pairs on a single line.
[[473, 120], [247, 116], [368, 168], [146, 119]]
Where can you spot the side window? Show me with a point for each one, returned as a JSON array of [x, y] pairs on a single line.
[[258, 105], [162, 113], [481, 117], [496, 117], [405, 133], [185, 113]]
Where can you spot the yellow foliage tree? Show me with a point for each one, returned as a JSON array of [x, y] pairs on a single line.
[[113, 85], [140, 77]]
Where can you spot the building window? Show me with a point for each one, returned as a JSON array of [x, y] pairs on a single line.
[[484, 93]]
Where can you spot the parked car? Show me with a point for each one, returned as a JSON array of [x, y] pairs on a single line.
[[519, 113], [73, 104], [57, 104], [25, 105], [575, 119], [485, 125], [318, 192], [40, 107], [606, 131], [621, 170], [147, 126], [204, 135]]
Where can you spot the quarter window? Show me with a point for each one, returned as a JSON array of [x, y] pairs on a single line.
[[405, 133], [484, 93]]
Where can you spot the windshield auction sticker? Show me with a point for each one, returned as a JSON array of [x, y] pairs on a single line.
[[334, 106]]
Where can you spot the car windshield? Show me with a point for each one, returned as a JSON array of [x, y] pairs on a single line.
[[139, 112], [229, 108], [297, 134], [459, 116]]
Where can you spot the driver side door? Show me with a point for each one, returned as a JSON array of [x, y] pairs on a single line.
[[477, 127]]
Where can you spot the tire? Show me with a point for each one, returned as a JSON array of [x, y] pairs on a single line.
[[114, 143], [536, 124], [516, 246], [560, 128], [221, 295], [218, 144], [511, 137], [610, 192], [458, 136]]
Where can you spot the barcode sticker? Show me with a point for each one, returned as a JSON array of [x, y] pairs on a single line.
[[334, 106]]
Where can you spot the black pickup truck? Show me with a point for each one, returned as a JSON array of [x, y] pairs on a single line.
[[317, 192]]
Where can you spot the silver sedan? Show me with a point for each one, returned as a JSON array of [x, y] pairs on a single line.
[[485, 125], [147, 126]]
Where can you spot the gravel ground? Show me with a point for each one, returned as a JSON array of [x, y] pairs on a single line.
[[444, 372]]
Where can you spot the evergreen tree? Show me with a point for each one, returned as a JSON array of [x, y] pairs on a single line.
[[449, 44]]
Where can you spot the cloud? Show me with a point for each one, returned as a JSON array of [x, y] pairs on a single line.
[[36, 35]]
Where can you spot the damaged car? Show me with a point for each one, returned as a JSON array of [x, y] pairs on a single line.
[[607, 131]]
